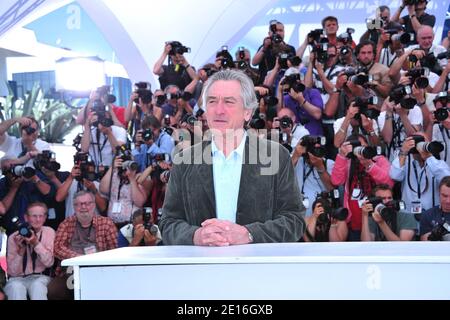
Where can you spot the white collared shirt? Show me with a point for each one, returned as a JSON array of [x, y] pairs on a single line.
[[227, 179]]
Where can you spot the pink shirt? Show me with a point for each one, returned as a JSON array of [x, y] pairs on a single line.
[[44, 251]]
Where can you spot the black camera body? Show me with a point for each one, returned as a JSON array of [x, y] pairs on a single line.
[[147, 221], [269, 100], [442, 113], [286, 122], [147, 135], [439, 231], [310, 142], [363, 105], [428, 61], [101, 110], [124, 153], [332, 209], [178, 48], [292, 81], [419, 76], [29, 130], [23, 227], [86, 165], [144, 92], [403, 95], [316, 36], [46, 159]]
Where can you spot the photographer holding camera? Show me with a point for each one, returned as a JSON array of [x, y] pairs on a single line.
[[151, 141], [383, 219], [139, 105], [423, 55], [440, 128], [416, 18], [326, 224], [359, 169], [81, 177], [121, 187], [306, 103], [178, 71], [30, 255], [267, 53], [312, 169], [20, 186], [101, 97], [100, 136], [357, 121], [435, 222], [419, 172], [25, 147], [396, 123], [141, 231], [285, 122], [377, 79]]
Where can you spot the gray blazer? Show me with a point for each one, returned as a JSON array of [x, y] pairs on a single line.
[[269, 206]]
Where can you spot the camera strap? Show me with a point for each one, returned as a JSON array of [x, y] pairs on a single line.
[[33, 255], [396, 140], [99, 149], [446, 140], [24, 150], [419, 192], [305, 174]]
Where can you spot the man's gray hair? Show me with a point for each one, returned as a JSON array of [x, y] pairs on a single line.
[[247, 88], [82, 193]]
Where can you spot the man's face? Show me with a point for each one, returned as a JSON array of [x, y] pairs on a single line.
[[444, 194], [425, 38], [385, 195], [279, 30], [84, 207], [36, 217], [225, 108], [331, 27], [365, 55], [420, 7], [385, 16], [30, 138], [285, 113]]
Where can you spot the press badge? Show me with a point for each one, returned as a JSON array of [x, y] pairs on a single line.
[[356, 194], [416, 207], [306, 202], [90, 249], [117, 207]]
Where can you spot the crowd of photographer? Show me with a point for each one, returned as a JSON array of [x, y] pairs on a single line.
[[367, 125]]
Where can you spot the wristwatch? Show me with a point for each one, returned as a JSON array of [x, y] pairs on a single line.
[[250, 237]]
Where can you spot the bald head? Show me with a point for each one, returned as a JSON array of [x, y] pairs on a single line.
[[425, 37], [286, 112]]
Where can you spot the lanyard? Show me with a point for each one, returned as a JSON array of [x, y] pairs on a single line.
[[307, 174], [33, 256], [419, 180], [441, 127]]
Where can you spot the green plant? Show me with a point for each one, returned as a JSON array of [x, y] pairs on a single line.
[[55, 118]]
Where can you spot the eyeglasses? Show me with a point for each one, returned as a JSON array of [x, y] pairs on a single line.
[[85, 204]]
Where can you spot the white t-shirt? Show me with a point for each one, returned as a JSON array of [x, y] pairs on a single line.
[[12, 146], [299, 132], [105, 157]]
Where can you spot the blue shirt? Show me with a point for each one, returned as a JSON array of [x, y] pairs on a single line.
[[164, 144], [227, 179]]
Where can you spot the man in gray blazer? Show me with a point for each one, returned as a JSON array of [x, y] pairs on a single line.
[[237, 188]]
